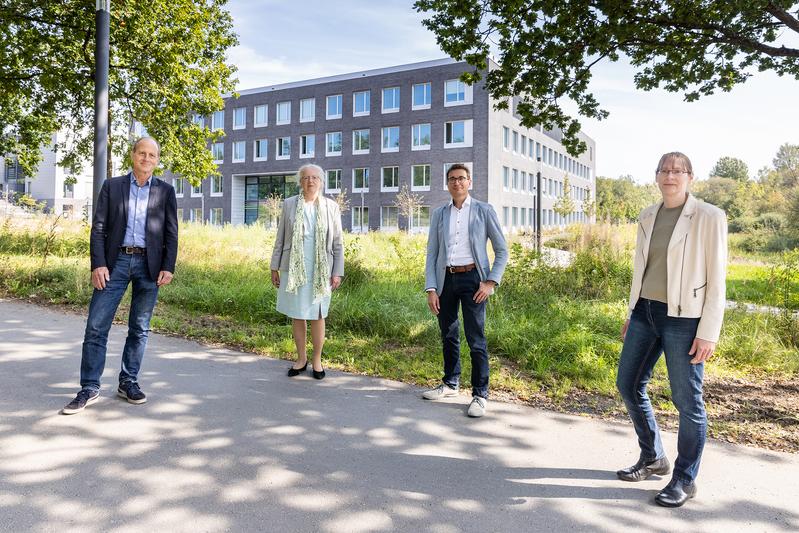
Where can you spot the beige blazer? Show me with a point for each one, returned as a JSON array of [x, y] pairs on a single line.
[[333, 239], [696, 266]]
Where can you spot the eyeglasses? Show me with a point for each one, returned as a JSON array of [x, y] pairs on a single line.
[[672, 172], [457, 179], [311, 178]]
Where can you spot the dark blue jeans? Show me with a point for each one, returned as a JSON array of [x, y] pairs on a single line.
[[128, 269], [459, 291], [650, 333]]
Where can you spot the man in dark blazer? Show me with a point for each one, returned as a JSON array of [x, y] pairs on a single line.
[[134, 240], [458, 273]]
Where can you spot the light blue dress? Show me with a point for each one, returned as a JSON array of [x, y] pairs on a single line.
[[303, 305]]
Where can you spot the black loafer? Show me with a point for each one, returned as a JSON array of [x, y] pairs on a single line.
[[675, 494], [297, 371], [645, 469], [319, 375]]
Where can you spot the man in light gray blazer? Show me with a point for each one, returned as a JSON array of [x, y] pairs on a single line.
[[458, 272]]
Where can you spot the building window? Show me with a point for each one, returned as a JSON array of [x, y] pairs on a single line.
[[199, 120], [215, 216], [216, 185], [515, 179], [360, 141], [238, 151], [360, 180], [197, 190], [457, 134], [239, 118], [505, 178], [505, 216], [360, 103], [389, 217], [421, 96], [420, 134], [308, 110], [506, 137], [333, 143], [334, 106], [196, 214], [283, 113], [421, 217], [283, 148], [531, 148], [523, 145], [391, 100], [360, 219], [178, 183], [218, 152], [515, 141], [457, 93], [334, 180], [307, 145], [218, 120], [420, 177], [524, 181], [515, 217], [390, 181], [180, 213], [261, 117], [260, 150], [391, 139]]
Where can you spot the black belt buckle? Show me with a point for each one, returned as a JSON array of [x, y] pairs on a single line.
[[130, 250]]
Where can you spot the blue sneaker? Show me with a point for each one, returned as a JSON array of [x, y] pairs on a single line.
[[131, 392], [84, 398]]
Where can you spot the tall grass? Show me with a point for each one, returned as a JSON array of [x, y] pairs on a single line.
[[558, 326]]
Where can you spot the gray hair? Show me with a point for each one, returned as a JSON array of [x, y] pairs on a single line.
[[313, 166], [146, 138]]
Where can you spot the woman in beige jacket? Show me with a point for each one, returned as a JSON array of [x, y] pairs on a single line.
[[676, 307]]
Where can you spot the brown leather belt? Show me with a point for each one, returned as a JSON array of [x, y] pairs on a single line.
[[131, 250], [460, 269]]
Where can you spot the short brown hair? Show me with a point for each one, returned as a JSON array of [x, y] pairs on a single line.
[[679, 156], [459, 166]]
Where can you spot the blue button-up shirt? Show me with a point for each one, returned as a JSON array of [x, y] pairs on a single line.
[[137, 213]]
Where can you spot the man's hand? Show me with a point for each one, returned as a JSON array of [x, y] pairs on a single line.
[[164, 278], [432, 302], [624, 329], [701, 350], [100, 276], [335, 282], [276, 278], [486, 289]]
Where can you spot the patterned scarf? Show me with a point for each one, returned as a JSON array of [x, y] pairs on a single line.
[[297, 275]]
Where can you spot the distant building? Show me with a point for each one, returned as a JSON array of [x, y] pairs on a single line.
[[375, 131]]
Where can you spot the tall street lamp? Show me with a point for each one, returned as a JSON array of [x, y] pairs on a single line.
[[102, 22], [538, 207]]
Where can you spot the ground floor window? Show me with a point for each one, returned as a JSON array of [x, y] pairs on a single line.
[[258, 190]]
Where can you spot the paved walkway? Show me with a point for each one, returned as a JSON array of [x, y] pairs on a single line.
[[227, 442]]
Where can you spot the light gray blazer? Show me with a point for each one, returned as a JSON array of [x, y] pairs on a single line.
[[483, 226], [333, 240]]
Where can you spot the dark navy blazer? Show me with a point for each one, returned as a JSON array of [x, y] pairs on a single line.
[[111, 219]]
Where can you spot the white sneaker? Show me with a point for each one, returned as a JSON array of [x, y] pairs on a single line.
[[478, 407], [442, 391]]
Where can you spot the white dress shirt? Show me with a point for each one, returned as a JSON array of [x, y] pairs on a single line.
[[459, 252]]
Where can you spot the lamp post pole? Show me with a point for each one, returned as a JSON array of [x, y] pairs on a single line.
[[538, 207], [101, 58]]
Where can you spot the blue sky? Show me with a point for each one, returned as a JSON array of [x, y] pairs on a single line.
[[283, 41]]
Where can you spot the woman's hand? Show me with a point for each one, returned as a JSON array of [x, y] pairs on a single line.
[[335, 282], [276, 278], [624, 329], [701, 350]]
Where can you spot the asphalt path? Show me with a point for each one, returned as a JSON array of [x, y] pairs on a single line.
[[227, 442]]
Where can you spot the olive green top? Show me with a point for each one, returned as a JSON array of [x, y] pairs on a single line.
[[654, 284]]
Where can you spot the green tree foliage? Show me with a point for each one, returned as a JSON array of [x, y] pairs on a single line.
[[565, 204], [786, 162], [730, 167], [621, 200], [167, 61], [547, 49]]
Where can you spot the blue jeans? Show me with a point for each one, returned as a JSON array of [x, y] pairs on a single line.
[[128, 269], [650, 333], [460, 289]]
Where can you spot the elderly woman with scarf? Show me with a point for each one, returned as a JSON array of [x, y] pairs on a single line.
[[307, 263]]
